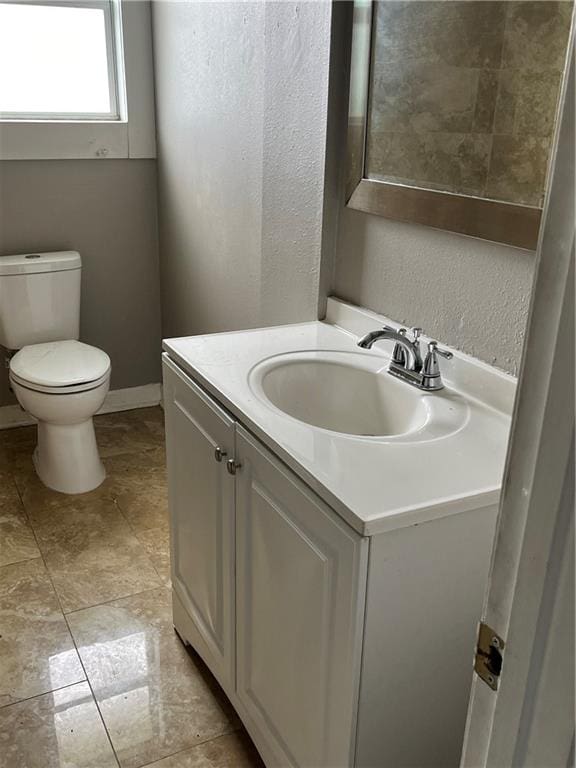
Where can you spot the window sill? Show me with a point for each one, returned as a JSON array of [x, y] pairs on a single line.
[[59, 140]]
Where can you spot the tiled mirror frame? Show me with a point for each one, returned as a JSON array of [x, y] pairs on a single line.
[[501, 222]]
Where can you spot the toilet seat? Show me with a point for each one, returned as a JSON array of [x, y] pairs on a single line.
[[60, 367], [84, 387]]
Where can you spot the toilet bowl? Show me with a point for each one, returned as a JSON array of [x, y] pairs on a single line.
[[62, 384], [56, 378]]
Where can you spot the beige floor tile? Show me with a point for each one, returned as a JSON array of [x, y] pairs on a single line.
[[143, 499], [43, 504], [139, 486], [17, 540], [152, 418], [16, 448], [37, 653], [47, 508], [124, 471], [8, 489], [92, 554], [154, 699], [156, 542], [57, 730], [235, 750], [132, 463], [18, 437], [129, 431]]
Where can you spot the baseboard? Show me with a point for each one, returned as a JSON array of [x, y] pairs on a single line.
[[116, 400], [132, 397], [14, 416]]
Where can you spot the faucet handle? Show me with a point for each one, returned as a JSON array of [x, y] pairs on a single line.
[[431, 378], [433, 347], [416, 333]]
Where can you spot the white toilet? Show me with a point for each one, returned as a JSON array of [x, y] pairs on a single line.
[[56, 378]]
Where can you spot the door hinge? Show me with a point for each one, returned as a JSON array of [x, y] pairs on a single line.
[[488, 660]]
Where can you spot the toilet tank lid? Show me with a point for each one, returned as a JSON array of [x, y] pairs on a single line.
[[32, 263]]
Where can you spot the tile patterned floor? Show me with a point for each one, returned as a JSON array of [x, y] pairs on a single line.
[[92, 674]]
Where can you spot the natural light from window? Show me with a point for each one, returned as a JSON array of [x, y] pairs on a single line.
[[55, 62]]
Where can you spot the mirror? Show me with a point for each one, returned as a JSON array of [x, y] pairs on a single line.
[[452, 112]]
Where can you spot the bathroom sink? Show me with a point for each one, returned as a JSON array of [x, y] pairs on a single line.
[[352, 393]]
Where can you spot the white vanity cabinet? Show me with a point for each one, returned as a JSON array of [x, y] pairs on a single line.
[[300, 576], [202, 519], [297, 572], [337, 650]]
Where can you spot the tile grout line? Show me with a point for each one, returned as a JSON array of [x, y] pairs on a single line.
[[131, 528], [65, 617], [144, 530], [107, 602], [191, 747], [86, 679], [39, 695], [130, 524], [113, 600], [100, 715], [41, 556], [135, 532], [144, 765], [72, 638], [163, 586]]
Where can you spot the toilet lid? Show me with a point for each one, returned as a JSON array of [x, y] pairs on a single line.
[[60, 363]]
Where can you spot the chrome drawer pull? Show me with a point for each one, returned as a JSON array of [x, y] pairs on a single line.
[[233, 466], [219, 454]]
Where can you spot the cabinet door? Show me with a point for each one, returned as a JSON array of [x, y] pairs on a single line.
[[301, 575], [201, 501]]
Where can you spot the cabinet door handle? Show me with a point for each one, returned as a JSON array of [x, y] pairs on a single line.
[[233, 466], [219, 454]]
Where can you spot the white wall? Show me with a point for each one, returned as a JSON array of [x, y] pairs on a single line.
[[241, 93]]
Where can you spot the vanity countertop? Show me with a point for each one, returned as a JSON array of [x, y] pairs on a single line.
[[375, 484]]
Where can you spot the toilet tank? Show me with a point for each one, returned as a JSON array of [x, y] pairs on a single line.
[[39, 298]]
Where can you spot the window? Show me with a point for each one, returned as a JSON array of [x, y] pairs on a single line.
[[57, 60], [76, 80]]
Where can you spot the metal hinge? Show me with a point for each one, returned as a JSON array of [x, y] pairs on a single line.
[[488, 661]]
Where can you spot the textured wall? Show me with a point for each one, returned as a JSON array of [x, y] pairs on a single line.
[[464, 94], [297, 53], [468, 293], [241, 92], [105, 209]]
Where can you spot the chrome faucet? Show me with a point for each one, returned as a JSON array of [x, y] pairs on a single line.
[[407, 363]]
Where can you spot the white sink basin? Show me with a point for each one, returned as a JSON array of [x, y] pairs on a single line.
[[292, 388], [352, 393]]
